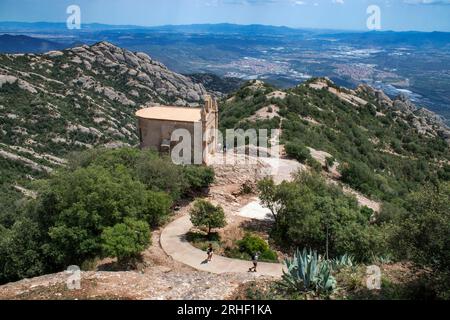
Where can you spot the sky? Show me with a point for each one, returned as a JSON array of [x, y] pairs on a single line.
[[399, 15]]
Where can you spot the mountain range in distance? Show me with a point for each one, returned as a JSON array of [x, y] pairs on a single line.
[[26, 44], [412, 63], [227, 28]]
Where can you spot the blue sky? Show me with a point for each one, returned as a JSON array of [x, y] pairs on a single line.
[[423, 15]]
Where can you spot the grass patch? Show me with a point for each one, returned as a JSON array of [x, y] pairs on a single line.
[[201, 240], [240, 249]]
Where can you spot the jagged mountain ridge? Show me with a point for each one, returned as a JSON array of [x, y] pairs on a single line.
[[424, 120], [68, 100], [62, 101]]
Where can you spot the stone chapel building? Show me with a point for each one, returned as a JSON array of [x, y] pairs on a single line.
[[156, 125]]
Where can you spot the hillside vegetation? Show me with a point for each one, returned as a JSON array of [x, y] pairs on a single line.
[[72, 100], [389, 150], [384, 148], [103, 204]]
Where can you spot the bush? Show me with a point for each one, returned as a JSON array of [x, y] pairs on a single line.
[[125, 240], [20, 252], [247, 188], [422, 232], [156, 208], [251, 244], [198, 177], [314, 164], [298, 151], [160, 174], [330, 161]]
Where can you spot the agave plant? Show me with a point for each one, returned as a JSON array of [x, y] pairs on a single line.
[[326, 282], [381, 259], [345, 261], [306, 271]]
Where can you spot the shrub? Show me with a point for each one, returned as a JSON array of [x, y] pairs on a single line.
[[298, 151], [160, 174], [198, 177], [251, 244], [126, 240], [20, 252], [247, 188], [156, 208], [314, 164], [330, 161]]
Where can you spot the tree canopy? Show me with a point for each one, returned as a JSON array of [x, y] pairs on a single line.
[[205, 214]]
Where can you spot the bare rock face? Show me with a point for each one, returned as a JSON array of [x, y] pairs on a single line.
[[423, 120], [149, 73], [378, 95], [403, 104], [156, 283]]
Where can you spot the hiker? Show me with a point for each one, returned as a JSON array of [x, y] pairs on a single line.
[[210, 252], [255, 258]]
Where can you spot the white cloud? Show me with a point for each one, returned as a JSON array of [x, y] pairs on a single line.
[[427, 2]]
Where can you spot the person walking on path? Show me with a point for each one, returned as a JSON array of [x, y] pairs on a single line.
[[255, 258], [210, 252]]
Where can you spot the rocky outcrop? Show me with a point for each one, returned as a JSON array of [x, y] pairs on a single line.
[[423, 120], [155, 283], [149, 73], [378, 95], [403, 104]]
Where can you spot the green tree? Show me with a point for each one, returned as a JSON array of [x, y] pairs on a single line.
[[423, 231], [156, 208], [75, 207], [198, 177], [422, 235], [313, 214], [269, 196], [205, 214], [126, 240], [20, 253], [160, 174]]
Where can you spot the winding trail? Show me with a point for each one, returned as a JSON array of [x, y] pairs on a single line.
[[174, 243]]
